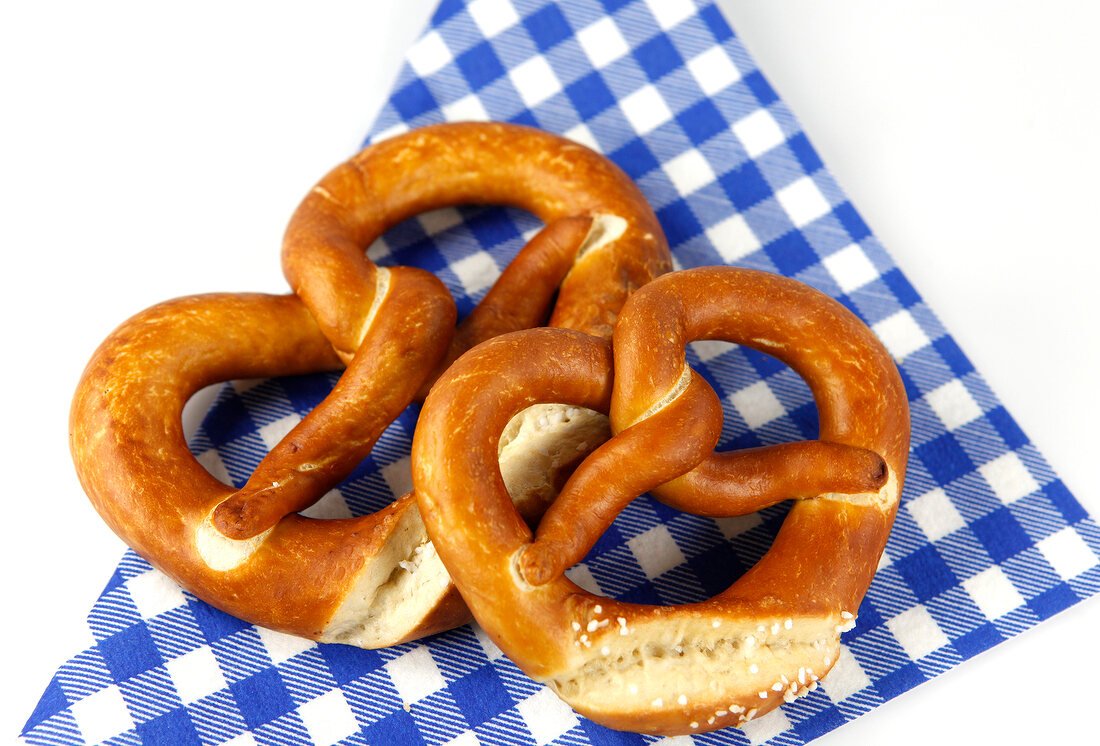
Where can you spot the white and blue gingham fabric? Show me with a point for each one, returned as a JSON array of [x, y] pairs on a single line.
[[987, 542]]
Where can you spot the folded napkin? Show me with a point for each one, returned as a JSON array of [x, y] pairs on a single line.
[[988, 541]]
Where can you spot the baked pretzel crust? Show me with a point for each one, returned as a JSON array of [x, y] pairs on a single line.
[[668, 669], [375, 580], [127, 442]]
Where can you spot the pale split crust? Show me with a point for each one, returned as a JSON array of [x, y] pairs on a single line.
[[696, 667], [374, 580]]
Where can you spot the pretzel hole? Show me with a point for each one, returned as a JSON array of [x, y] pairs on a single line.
[[764, 401], [478, 241], [684, 558], [234, 425], [654, 554]]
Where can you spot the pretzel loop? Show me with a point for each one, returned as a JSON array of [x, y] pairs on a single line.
[[775, 631], [304, 576], [600, 241], [394, 329]]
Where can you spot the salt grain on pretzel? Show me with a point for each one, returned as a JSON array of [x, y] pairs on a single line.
[[394, 329], [775, 631]]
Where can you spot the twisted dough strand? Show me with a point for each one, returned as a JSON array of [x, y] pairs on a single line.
[[775, 631]]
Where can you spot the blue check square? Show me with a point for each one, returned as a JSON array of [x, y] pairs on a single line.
[[480, 65], [590, 95], [130, 652], [1001, 534], [701, 121], [481, 695], [261, 697], [745, 186], [926, 573], [945, 459], [174, 728], [548, 27]]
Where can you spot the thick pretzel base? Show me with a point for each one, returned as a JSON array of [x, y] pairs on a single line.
[[370, 581], [669, 670]]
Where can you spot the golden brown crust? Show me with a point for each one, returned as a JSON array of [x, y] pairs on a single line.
[[128, 446], [469, 163], [247, 551], [775, 631]]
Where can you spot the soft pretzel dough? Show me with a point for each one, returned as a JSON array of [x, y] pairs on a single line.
[[776, 631], [374, 580]]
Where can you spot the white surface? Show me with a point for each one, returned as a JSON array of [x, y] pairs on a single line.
[[150, 151]]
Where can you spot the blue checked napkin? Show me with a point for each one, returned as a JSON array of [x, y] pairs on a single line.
[[988, 541]]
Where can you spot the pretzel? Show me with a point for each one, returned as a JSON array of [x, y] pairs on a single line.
[[394, 330], [776, 630], [131, 455]]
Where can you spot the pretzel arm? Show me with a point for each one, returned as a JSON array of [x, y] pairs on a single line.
[[745, 481], [775, 631], [522, 296], [399, 349], [674, 439]]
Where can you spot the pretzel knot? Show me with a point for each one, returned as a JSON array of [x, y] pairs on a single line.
[[776, 630], [373, 580]]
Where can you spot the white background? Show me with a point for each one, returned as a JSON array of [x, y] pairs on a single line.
[[155, 150]]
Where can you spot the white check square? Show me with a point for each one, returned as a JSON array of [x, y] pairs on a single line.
[[415, 675], [547, 716], [993, 593], [379, 249], [803, 201], [582, 576], [1067, 553], [953, 404], [757, 404], [493, 16], [917, 632], [645, 109], [535, 81], [709, 349], [713, 70], [398, 476], [1008, 477], [476, 271], [429, 54], [656, 551], [466, 738], [689, 172], [196, 674], [211, 460], [331, 506], [102, 715], [758, 132], [602, 42], [850, 267], [392, 131], [273, 432], [280, 646], [435, 222], [466, 109], [766, 728], [733, 239], [846, 677], [935, 514], [583, 135], [328, 718], [668, 13], [154, 593], [901, 334]]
